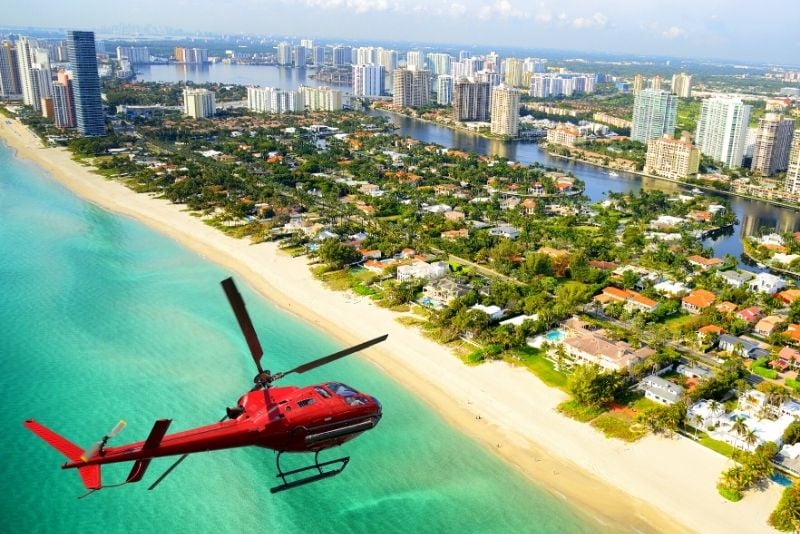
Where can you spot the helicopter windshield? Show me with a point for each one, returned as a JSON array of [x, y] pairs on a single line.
[[341, 390], [351, 397]]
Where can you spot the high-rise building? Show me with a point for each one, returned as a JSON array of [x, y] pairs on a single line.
[[63, 101], [773, 142], [638, 84], [722, 129], [505, 110], [25, 61], [492, 62], [439, 63], [492, 78], [682, 85], [61, 106], [566, 84], [412, 88], [299, 56], [307, 43], [194, 56], [368, 80], [137, 55], [283, 56], [318, 56], [415, 60], [672, 158], [654, 115], [365, 55], [444, 90], [341, 56], [656, 82], [471, 100], [271, 100], [793, 169], [9, 71], [320, 98], [388, 60], [199, 103], [512, 71], [86, 83]]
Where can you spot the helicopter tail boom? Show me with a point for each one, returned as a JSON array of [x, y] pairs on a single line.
[[90, 475]]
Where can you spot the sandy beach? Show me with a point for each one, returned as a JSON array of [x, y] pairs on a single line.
[[654, 485]]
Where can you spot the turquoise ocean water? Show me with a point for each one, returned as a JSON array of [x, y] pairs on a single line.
[[102, 318]]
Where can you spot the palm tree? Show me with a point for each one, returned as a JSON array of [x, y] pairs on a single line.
[[739, 427], [697, 422], [750, 437]]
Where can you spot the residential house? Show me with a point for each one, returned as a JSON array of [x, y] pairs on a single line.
[[673, 289], [554, 253], [421, 270], [744, 347], [694, 371], [631, 299], [443, 291], [767, 283], [660, 390], [379, 267], [528, 206], [790, 355], [793, 331], [519, 319], [373, 254], [704, 263], [504, 231], [788, 296], [709, 332], [666, 221], [591, 347], [726, 307], [750, 314], [737, 279], [495, 313], [767, 325], [705, 413], [697, 300], [509, 203], [454, 216]]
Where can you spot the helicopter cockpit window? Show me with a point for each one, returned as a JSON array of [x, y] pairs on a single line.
[[341, 389], [351, 397], [305, 402]]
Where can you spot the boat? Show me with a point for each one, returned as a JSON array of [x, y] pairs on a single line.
[[612, 173]]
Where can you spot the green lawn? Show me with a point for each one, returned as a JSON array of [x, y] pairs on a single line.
[[715, 445], [676, 323], [579, 412], [618, 425], [535, 362]]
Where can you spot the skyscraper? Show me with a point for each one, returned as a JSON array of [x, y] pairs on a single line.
[[284, 54], [415, 60], [198, 103], [512, 71], [722, 129], [412, 88], [26, 49], [444, 90], [439, 63], [9, 71], [654, 115], [672, 158], [682, 85], [793, 170], [505, 110], [299, 56], [368, 80], [471, 100], [86, 83], [773, 142], [638, 84], [656, 82], [137, 55]]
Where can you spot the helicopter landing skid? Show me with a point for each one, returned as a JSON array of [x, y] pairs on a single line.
[[321, 473]]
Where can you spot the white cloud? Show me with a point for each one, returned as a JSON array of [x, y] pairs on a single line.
[[356, 6], [673, 32], [598, 20], [457, 9]]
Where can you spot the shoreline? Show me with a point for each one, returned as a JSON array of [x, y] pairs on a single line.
[[673, 479], [677, 182]]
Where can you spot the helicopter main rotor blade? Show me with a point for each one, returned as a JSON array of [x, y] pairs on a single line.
[[173, 466], [332, 357], [239, 309]]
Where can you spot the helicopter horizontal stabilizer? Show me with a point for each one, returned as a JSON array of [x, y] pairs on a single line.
[[90, 474]]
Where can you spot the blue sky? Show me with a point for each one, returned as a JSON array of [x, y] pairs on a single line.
[[730, 29]]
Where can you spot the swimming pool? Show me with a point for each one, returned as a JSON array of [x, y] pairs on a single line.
[[554, 336]]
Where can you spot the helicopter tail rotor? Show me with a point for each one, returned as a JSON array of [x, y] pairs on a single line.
[[95, 449]]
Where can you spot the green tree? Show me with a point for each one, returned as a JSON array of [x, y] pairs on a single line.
[[337, 254], [594, 387], [786, 516]]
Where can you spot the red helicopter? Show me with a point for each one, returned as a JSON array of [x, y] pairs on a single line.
[[285, 419]]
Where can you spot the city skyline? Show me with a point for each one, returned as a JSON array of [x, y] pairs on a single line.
[[717, 29]]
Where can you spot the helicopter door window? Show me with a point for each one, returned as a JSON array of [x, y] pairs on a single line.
[[305, 402], [322, 392]]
